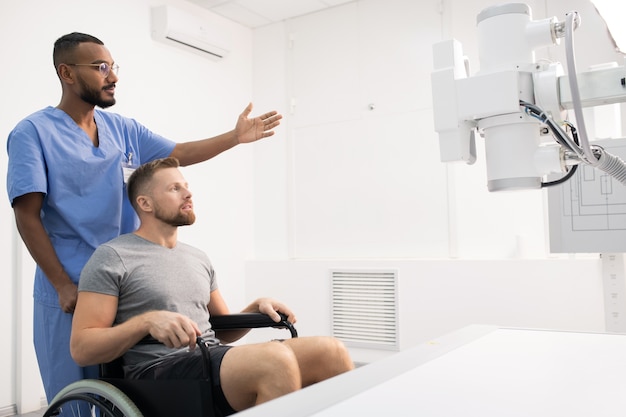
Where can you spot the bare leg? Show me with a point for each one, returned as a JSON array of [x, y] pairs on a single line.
[[320, 358], [254, 374]]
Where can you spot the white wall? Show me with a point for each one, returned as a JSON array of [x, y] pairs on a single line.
[[359, 188], [178, 94], [438, 296]]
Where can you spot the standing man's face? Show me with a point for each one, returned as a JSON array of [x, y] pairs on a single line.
[[94, 88]]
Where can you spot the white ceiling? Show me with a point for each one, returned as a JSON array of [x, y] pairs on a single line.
[[256, 13]]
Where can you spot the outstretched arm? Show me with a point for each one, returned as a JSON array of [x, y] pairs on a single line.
[[246, 130]]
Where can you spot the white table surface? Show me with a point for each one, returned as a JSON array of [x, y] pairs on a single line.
[[477, 371]]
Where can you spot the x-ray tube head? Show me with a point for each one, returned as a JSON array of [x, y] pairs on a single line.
[[511, 145], [490, 101], [513, 100]]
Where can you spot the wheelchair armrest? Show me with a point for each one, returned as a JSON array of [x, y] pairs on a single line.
[[225, 322], [251, 321]]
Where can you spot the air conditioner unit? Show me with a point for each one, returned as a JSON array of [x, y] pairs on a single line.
[[182, 29]]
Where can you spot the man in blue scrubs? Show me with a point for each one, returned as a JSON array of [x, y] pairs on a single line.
[[66, 178]]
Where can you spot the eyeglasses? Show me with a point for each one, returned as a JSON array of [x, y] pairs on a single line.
[[104, 68]]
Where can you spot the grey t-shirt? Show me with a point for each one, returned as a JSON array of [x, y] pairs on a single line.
[[146, 276]]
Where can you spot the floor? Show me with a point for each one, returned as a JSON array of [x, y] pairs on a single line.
[[33, 414]]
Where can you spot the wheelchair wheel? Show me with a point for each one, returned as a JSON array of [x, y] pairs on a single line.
[[92, 398]]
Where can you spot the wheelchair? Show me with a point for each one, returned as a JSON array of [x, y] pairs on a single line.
[[113, 396]]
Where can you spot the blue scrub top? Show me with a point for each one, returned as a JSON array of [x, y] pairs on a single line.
[[85, 202]]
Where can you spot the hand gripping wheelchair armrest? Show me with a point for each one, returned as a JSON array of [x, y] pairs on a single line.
[[190, 398], [233, 321]]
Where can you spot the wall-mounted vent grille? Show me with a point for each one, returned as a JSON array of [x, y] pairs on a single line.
[[365, 308]]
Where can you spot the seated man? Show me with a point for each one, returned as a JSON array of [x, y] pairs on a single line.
[[148, 283]]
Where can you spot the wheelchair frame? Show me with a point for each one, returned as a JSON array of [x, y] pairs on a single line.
[[115, 396]]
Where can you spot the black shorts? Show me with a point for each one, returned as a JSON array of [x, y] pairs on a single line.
[[189, 365]]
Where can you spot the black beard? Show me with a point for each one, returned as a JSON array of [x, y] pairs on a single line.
[[93, 96]]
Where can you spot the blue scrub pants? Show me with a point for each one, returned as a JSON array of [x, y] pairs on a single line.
[[52, 329]]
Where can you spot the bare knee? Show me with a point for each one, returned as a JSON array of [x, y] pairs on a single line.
[[339, 356], [254, 374], [281, 373], [320, 358], [281, 364]]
